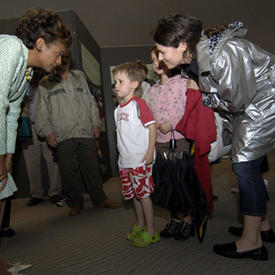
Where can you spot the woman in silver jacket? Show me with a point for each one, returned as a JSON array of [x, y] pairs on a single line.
[[238, 80]]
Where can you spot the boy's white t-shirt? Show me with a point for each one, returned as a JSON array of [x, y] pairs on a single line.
[[132, 119]]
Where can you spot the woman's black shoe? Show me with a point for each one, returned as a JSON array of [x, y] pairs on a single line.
[[170, 229], [7, 233], [230, 250], [268, 236]]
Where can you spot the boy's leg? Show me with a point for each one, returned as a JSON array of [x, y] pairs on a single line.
[[128, 193], [143, 186], [148, 211], [139, 212]]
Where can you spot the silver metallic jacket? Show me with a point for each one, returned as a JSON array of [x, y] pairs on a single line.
[[240, 79]]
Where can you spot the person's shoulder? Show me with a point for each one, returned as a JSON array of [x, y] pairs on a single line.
[[139, 100], [10, 39], [11, 43], [49, 81], [140, 104], [156, 86], [78, 73], [176, 79]]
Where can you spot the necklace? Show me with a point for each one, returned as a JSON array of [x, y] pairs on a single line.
[[28, 75]]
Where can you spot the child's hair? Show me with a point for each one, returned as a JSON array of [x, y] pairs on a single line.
[[174, 29], [143, 66], [41, 23], [133, 70], [155, 51]]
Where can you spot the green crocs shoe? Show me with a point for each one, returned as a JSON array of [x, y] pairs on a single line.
[[136, 231], [146, 239]]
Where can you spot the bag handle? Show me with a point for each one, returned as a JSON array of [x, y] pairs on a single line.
[[173, 142]]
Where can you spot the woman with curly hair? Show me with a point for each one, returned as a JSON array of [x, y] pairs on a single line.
[[40, 40]]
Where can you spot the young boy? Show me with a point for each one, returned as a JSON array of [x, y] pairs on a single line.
[[136, 135]]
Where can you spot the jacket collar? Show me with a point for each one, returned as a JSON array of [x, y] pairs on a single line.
[[205, 48], [57, 78]]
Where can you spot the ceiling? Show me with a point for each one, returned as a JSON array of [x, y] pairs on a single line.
[[130, 22]]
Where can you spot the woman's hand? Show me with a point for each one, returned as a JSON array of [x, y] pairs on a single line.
[[165, 127]]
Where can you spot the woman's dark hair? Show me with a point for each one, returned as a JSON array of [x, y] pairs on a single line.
[[209, 32], [176, 28], [41, 23]]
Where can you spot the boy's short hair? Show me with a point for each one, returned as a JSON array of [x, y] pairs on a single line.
[[133, 70]]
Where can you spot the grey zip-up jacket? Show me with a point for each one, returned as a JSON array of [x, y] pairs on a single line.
[[65, 107], [240, 78]]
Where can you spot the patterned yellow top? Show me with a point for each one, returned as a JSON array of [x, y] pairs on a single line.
[[13, 85]]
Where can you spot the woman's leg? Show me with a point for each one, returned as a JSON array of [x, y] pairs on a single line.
[[2, 207], [253, 198], [265, 225], [5, 225], [251, 236]]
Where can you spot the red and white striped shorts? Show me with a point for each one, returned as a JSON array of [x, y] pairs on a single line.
[[137, 182]]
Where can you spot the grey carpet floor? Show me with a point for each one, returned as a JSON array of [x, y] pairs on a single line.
[[94, 241]]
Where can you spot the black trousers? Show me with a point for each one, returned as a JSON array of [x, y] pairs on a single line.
[[74, 155]]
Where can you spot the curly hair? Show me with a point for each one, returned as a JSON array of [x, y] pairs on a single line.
[[41, 23], [176, 28]]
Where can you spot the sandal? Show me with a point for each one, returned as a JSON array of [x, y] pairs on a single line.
[[136, 231], [146, 239]]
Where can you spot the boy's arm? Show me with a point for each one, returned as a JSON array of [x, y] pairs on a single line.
[[149, 156]]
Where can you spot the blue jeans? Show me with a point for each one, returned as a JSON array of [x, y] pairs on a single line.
[[253, 193]]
